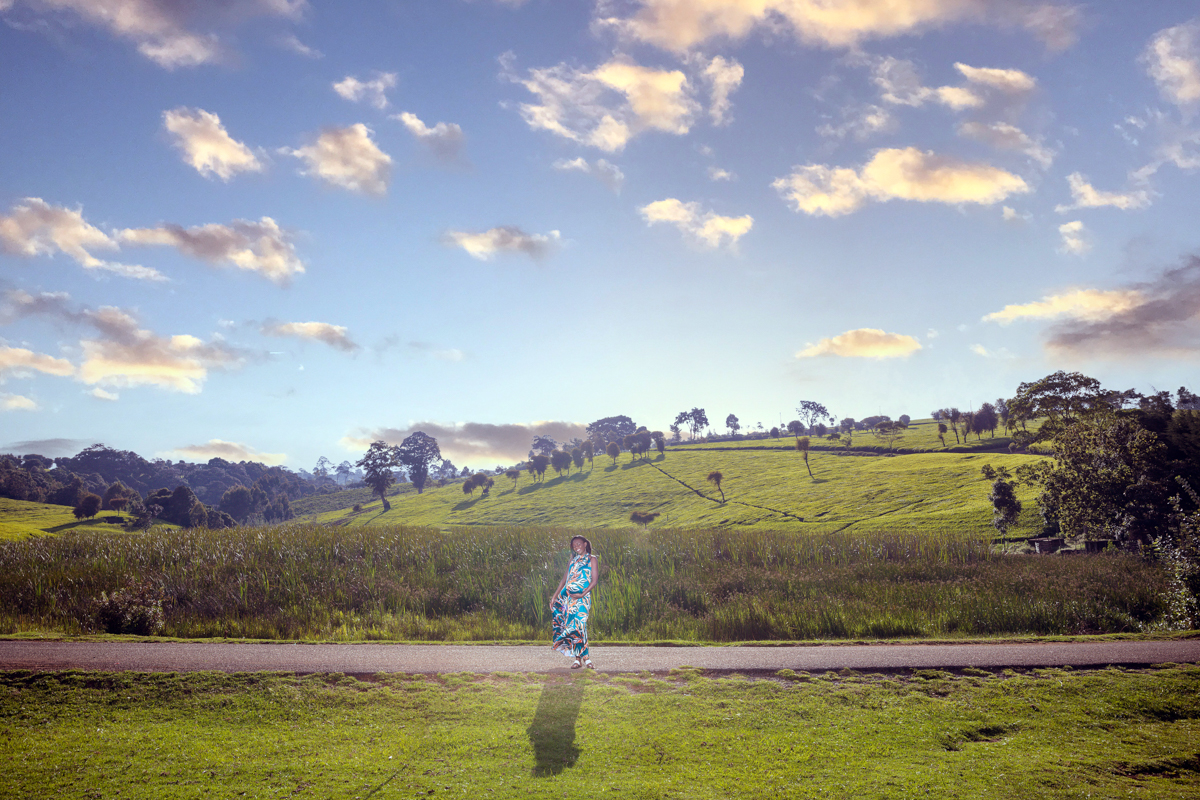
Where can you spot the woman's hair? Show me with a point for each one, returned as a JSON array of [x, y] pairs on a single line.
[[585, 541]]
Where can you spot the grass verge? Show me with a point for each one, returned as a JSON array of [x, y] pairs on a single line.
[[1049, 733]]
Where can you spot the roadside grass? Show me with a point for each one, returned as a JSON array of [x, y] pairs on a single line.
[[1047, 733], [764, 489], [20, 519], [312, 582]]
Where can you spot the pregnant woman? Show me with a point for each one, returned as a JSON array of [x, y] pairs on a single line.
[[572, 602]]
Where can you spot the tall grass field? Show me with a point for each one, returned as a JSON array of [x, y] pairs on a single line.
[[314, 582]]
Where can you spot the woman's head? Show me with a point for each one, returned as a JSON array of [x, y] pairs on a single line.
[[580, 545]]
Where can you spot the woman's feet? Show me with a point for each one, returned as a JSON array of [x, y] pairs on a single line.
[[576, 665], [589, 664]]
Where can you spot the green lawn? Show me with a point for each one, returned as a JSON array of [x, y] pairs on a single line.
[[1050, 733], [20, 519], [763, 489]]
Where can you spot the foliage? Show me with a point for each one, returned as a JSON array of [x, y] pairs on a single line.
[[560, 460], [133, 609], [715, 479], [609, 429], [613, 450], [804, 444], [417, 453], [1005, 503], [1179, 549], [88, 506], [377, 465], [732, 424], [811, 412], [643, 518]]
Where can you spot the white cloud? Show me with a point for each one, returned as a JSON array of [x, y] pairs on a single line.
[[34, 227], [333, 335], [907, 174], [708, 228], [1073, 240], [290, 42], [444, 139], [373, 91], [19, 361], [1010, 214], [161, 28], [863, 343], [207, 146], [229, 451], [347, 157], [506, 239], [16, 402], [899, 84], [1173, 60], [718, 174], [1009, 137], [1087, 196], [607, 106], [723, 76], [860, 122], [608, 174], [1091, 305], [1009, 81], [261, 247], [101, 394]]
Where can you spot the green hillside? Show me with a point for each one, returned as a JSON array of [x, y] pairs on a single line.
[[20, 519], [763, 489]]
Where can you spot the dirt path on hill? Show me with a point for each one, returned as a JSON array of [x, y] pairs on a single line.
[[368, 659]]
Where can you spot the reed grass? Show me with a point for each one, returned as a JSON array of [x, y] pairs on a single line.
[[306, 582]]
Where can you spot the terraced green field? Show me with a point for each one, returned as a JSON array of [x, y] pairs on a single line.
[[20, 519], [763, 489]]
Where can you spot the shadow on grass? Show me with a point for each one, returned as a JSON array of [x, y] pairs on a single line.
[[533, 487], [464, 504], [552, 732], [82, 524]]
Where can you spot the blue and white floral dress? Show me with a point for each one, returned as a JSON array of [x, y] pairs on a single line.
[[570, 614]]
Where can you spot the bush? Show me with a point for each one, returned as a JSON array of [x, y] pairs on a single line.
[[134, 609]]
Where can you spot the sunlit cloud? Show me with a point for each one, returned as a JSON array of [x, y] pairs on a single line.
[[723, 77], [333, 335], [608, 174], [1091, 305], [609, 105], [1173, 60], [899, 84], [16, 402], [229, 451], [718, 174], [19, 361], [895, 174], [506, 239], [207, 146], [101, 394], [1004, 136], [1074, 237], [705, 227], [863, 343], [34, 227], [1009, 81], [1087, 196], [1155, 318], [162, 29], [261, 247], [373, 91], [444, 139], [859, 122], [348, 158], [474, 442]]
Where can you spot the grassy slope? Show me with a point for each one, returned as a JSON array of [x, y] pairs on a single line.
[[926, 491], [20, 519], [1038, 734]]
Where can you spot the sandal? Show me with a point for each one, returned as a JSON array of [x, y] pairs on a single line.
[[589, 664], [576, 664]]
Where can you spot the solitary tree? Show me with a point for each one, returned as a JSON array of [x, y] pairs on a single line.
[[514, 475], [613, 451], [953, 416], [468, 486], [1006, 507], [715, 479], [88, 506], [377, 468], [812, 412], [117, 496], [643, 518], [660, 442], [731, 422], [795, 427], [803, 444], [986, 419], [942, 432], [697, 420], [540, 463], [774, 433], [417, 452]]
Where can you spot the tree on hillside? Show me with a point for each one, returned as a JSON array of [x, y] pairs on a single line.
[[544, 445], [613, 450], [468, 487], [774, 433], [731, 422], [905, 420], [1005, 505], [377, 468], [986, 419], [321, 470], [238, 503], [697, 420], [117, 496], [643, 518], [676, 433], [560, 460], [589, 451], [889, 432], [795, 427], [1061, 399], [417, 452], [967, 422], [942, 429], [952, 416], [609, 429], [715, 479], [804, 444], [514, 475], [812, 412], [577, 457], [88, 506], [660, 442]]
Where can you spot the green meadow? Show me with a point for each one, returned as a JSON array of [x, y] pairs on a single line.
[[20, 519], [763, 489], [1046, 733]]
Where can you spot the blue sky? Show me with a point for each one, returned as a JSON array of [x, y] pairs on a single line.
[[279, 229]]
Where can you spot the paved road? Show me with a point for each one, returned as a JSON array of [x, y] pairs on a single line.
[[369, 659]]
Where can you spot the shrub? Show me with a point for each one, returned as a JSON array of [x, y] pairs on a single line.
[[88, 506], [134, 609]]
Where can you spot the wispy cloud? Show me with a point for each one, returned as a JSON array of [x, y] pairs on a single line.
[[19, 361], [863, 343], [507, 239], [101, 394], [290, 42], [262, 247], [895, 174], [229, 451], [207, 146], [333, 335], [348, 158], [373, 91], [608, 174], [475, 442], [1087, 196], [723, 77], [705, 227], [1091, 305], [451, 354], [16, 402], [34, 227], [1005, 136], [1074, 237], [444, 139], [1173, 60]]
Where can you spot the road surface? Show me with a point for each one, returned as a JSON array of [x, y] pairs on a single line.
[[368, 659]]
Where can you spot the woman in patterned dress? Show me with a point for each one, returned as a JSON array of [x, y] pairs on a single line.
[[572, 602]]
